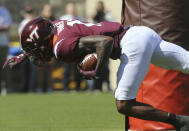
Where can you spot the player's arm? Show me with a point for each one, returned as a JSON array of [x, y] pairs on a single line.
[[102, 45], [147, 112]]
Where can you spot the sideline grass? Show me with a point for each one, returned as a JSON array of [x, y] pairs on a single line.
[[60, 112]]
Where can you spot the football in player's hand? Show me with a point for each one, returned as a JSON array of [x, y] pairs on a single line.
[[89, 62]]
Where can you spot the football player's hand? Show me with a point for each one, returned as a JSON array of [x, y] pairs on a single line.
[[89, 75], [14, 60]]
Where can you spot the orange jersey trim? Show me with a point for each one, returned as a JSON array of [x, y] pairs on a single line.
[[54, 39]]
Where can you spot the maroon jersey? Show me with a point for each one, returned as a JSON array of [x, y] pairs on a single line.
[[67, 34]]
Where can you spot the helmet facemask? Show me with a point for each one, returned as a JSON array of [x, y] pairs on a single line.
[[39, 54]]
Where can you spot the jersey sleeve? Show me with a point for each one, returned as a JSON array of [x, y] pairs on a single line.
[[110, 28]]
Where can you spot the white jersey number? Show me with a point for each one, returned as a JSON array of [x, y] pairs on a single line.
[[72, 22]]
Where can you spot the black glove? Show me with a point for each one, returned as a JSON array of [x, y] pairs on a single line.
[[183, 122], [180, 122]]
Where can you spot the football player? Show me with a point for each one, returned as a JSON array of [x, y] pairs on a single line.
[[135, 46]]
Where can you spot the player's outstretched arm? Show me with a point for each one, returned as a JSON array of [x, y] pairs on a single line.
[[15, 60], [102, 45]]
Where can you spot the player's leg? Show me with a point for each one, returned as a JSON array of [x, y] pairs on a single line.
[[171, 56], [137, 50], [138, 46]]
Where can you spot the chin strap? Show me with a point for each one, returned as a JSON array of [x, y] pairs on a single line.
[[14, 60]]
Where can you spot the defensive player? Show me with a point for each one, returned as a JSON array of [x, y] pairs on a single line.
[[136, 46]]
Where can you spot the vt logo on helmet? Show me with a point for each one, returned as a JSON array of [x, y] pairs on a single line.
[[33, 33]]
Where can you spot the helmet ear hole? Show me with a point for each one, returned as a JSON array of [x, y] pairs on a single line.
[[35, 44], [42, 48]]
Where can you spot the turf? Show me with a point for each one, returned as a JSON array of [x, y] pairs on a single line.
[[60, 112]]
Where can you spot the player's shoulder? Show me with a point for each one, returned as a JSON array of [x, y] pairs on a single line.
[[111, 23], [57, 22], [60, 22]]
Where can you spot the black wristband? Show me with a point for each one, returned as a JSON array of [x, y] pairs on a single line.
[[172, 119]]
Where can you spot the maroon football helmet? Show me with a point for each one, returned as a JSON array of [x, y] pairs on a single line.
[[35, 39]]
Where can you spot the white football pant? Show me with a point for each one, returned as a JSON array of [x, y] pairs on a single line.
[[140, 47]]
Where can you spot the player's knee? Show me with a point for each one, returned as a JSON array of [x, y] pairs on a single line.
[[150, 37], [143, 44], [147, 31], [122, 107]]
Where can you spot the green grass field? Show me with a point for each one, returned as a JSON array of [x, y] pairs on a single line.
[[60, 112]]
